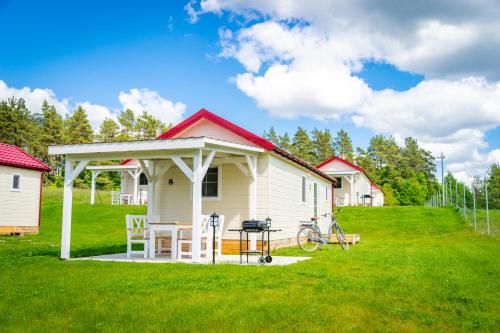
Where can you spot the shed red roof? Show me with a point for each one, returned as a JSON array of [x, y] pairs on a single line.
[[11, 155], [354, 166], [257, 140]]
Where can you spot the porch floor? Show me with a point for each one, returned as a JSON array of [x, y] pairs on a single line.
[[223, 259]]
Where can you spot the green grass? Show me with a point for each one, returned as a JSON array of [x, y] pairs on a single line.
[[416, 269]]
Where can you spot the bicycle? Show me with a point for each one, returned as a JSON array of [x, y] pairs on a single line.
[[310, 238]]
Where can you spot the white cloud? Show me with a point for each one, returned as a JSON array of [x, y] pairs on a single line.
[[136, 99], [34, 98], [139, 100], [301, 58]]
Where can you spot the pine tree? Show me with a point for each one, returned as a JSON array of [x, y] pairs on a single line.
[[272, 136], [342, 146], [52, 133], [284, 142], [108, 131], [302, 145], [322, 141], [78, 129], [17, 125], [128, 125], [149, 127]]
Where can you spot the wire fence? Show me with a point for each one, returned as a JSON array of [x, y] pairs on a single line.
[[479, 209]]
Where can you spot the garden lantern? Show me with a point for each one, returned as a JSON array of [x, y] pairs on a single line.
[[268, 222], [214, 222]]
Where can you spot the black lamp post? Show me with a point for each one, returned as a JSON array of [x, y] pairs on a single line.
[[214, 222]]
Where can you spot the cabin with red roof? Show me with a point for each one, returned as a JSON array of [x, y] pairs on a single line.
[[353, 186], [206, 164], [20, 190]]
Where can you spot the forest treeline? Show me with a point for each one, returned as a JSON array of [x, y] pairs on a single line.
[[406, 173]]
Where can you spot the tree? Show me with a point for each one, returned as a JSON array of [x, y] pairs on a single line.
[[302, 145], [18, 126], [272, 136], [78, 129], [108, 131], [52, 133], [128, 125], [284, 142], [342, 146], [322, 142], [149, 127], [493, 181]]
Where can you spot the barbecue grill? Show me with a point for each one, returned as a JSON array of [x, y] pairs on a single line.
[[256, 226]]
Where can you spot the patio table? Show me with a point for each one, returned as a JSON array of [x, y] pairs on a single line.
[[172, 227]]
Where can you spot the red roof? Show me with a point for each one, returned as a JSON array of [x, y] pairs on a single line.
[[354, 166], [257, 140], [11, 155]]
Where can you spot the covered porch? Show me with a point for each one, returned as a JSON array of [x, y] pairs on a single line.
[[171, 198]]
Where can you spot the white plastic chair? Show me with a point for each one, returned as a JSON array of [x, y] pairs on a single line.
[[137, 233], [185, 237], [115, 198]]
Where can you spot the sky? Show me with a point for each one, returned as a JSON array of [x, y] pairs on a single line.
[[426, 69]]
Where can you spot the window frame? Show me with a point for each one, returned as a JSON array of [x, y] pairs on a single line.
[[219, 186], [303, 190], [315, 200], [12, 188]]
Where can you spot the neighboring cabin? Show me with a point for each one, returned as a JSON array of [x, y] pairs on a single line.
[[354, 187], [20, 190]]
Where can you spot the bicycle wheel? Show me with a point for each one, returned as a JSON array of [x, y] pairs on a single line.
[[341, 238], [307, 238]]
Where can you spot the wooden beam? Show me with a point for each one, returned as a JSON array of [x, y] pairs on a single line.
[[184, 167], [146, 171], [207, 162], [242, 168], [252, 165], [196, 201], [76, 171]]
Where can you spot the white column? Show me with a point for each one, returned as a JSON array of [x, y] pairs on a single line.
[[92, 191], [135, 176], [151, 186], [197, 169], [67, 205], [353, 195], [252, 196]]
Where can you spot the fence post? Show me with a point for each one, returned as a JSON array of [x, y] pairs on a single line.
[[456, 194], [474, 201], [487, 211], [450, 195], [465, 206]]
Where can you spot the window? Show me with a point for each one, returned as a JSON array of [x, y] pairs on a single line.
[[303, 189], [16, 183], [339, 182], [143, 180], [210, 183]]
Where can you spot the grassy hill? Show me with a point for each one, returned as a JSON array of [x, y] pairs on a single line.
[[416, 269]]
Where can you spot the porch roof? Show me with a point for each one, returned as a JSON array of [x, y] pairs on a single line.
[[147, 149]]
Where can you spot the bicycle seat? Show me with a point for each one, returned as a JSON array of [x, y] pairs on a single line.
[[314, 218]]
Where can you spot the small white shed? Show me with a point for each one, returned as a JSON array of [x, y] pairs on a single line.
[[20, 190], [353, 187]]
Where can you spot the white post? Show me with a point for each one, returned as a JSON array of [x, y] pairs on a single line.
[[487, 211], [465, 206], [196, 234], [67, 205], [92, 191], [252, 197], [456, 194], [353, 202], [70, 174], [474, 203], [136, 177], [151, 186]]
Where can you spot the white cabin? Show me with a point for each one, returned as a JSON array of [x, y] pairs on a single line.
[[353, 186]]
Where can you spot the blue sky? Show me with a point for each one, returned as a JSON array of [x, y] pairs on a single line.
[[93, 50]]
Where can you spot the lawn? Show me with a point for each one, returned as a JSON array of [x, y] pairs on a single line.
[[416, 269]]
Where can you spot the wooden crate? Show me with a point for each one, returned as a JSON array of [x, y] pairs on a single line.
[[351, 238]]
